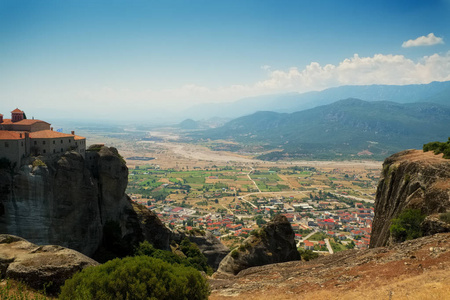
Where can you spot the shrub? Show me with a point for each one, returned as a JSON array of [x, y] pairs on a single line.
[[234, 254], [38, 163], [445, 217], [438, 148], [307, 255], [407, 225], [194, 258], [139, 277]]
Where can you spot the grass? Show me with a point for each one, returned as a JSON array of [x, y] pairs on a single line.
[[13, 290], [319, 236]]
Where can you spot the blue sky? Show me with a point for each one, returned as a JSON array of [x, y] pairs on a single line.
[[125, 57]]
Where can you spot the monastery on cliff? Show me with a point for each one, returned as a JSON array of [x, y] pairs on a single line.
[[21, 137]]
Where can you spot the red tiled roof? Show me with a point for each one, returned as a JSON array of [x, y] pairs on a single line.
[[11, 135], [23, 122], [48, 134], [77, 137], [17, 111]]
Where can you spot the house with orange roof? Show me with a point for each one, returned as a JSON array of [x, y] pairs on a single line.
[[21, 137]]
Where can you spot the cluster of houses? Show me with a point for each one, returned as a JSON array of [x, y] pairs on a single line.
[[344, 224]]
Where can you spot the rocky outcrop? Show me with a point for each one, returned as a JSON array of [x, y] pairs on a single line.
[[39, 266], [67, 200], [151, 227], [416, 269], [411, 179], [273, 243], [209, 245]]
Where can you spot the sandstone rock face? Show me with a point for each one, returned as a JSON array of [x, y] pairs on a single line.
[[208, 244], [273, 244], [68, 201], [37, 266], [411, 179]]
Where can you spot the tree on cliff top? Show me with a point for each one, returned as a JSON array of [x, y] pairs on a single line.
[[438, 148]]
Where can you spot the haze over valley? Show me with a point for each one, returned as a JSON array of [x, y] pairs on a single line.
[[219, 150]]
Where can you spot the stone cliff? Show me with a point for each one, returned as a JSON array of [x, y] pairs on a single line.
[[67, 200], [411, 179], [273, 243]]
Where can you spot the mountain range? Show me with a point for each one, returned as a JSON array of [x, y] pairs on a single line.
[[435, 92], [345, 128]]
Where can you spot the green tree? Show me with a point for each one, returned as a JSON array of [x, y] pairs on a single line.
[[407, 225], [139, 277]]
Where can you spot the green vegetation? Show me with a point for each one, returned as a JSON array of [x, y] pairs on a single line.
[[38, 163], [445, 217], [438, 147], [307, 255], [380, 127], [235, 254], [319, 236], [193, 257], [407, 225], [18, 291], [139, 277], [95, 147]]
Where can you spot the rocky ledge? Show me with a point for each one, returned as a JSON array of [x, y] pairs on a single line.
[[417, 269], [411, 179]]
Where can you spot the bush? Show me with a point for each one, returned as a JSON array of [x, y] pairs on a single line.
[[407, 225], [445, 217], [235, 254], [38, 163], [194, 258], [438, 148], [307, 255], [139, 277]]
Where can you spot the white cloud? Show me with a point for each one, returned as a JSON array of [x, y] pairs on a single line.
[[428, 40], [378, 69], [356, 70]]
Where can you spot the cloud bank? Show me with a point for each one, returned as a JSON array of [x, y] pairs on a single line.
[[378, 69], [428, 40], [356, 70]]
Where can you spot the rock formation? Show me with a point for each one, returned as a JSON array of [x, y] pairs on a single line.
[[66, 200], [273, 243], [39, 266], [411, 179], [416, 269], [208, 244]]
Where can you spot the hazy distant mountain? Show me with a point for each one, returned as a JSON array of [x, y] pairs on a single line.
[[188, 124], [437, 92], [345, 127]]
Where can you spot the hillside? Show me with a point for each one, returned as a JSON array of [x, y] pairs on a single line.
[[341, 129], [418, 269], [435, 92]]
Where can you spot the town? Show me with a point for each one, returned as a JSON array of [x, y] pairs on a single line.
[[330, 210]]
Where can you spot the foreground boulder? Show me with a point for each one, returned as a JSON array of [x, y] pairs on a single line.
[[411, 179], [273, 243], [39, 266]]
